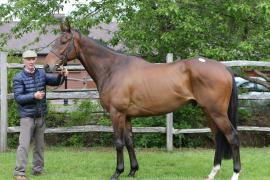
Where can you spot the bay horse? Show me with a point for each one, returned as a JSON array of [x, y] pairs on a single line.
[[129, 87]]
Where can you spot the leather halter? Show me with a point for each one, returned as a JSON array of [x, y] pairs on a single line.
[[63, 57]]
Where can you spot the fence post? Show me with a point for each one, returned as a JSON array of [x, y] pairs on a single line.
[[3, 121], [169, 116]]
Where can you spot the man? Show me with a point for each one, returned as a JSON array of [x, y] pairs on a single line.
[[29, 88]]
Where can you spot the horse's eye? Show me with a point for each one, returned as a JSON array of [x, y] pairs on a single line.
[[62, 41]]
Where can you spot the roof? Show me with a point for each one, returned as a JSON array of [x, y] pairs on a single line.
[[101, 32]]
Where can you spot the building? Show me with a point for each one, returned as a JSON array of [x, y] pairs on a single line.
[[76, 79]]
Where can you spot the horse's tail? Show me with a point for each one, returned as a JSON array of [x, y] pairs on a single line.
[[222, 144]]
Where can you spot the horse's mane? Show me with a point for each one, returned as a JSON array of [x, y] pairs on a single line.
[[102, 43], [99, 42]]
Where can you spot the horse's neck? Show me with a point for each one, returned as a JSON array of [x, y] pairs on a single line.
[[97, 60]]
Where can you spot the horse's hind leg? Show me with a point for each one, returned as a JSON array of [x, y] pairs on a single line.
[[223, 124], [118, 121], [217, 158], [235, 153], [129, 144]]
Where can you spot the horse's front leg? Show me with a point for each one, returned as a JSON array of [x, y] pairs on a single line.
[[129, 144], [118, 120]]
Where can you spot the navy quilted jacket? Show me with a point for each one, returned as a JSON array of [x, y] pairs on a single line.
[[25, 85]]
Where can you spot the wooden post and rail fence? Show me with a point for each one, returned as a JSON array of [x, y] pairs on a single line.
[[93, 94]]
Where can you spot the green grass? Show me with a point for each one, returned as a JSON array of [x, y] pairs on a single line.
[[155, 164]]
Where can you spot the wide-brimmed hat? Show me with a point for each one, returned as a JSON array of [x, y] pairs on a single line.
[[29, 54]]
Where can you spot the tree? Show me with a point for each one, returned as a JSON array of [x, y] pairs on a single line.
[[221, 29]]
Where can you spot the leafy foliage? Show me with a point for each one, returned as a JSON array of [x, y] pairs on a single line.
[[84, 114], [222, 30], [13, 118], [187, 117]]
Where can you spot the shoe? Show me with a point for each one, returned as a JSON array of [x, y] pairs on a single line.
[[37, 173], [20, 177]]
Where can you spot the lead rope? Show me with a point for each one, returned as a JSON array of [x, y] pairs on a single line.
[[62, 69]]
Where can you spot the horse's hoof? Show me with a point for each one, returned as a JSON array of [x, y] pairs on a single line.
[[132, 173], [114, 178], [209, 178], [235, 176]]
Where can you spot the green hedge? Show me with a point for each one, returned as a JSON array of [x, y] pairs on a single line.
[[188, 116]]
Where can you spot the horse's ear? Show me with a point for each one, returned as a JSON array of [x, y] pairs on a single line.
[[62, 27], [67, 25]]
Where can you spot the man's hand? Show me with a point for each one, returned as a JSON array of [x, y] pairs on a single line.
[[64, 72], [39, 95]]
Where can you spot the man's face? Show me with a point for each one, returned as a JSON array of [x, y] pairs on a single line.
[[30, 62]]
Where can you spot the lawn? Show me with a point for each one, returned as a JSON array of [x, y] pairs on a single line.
[[155, 164]]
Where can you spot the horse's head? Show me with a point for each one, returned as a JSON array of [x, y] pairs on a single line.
[[64, 49]]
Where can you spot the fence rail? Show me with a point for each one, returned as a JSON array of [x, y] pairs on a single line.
[[4, 111], [69, 67], [93, 94], [100, 128]]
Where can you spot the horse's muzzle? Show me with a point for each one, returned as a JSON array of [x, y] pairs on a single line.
[[49, 69]]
